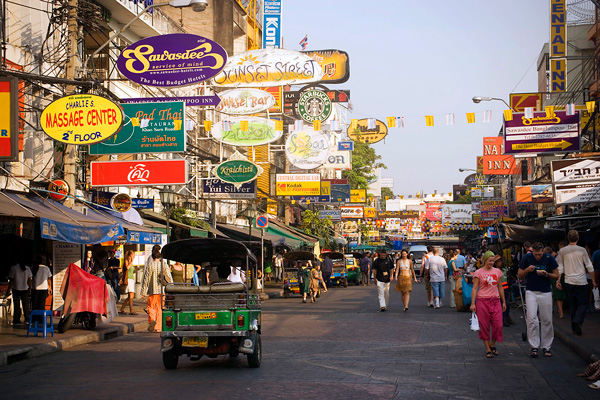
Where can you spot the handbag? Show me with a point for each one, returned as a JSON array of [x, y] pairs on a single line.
[[123, 288], [596, 293], [474, 322]]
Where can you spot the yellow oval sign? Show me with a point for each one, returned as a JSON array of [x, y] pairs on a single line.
[[81, 119], [361, 132]]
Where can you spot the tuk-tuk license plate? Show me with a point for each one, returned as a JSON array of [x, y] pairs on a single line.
[[195, 341], [207, 315]]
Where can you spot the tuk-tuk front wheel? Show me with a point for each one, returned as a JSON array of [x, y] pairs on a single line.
[[255, 358], [286, 294], [170, 359]]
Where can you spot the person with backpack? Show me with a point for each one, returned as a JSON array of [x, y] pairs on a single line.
[[303, 280], [383, 269]]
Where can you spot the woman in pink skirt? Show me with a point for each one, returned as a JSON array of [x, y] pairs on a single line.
[[489, 303]]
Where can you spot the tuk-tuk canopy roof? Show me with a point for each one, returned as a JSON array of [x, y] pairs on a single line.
[[198, 250], [299, 256], [334, 255]]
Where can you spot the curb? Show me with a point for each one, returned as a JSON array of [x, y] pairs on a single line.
[[11, 356], [585, 352]]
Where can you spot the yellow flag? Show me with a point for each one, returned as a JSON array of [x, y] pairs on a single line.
[[207, 126], [308, 200], [353, 124], [470, 118], [508, 115], [429, 120], [450, 194], [391, 122], [317, 125], [387, 197], [244, 126], [135, 122], [278, 125], [549, 111], [402, 196], [432, 194], [293, 201], [591, 106], [418, 195]]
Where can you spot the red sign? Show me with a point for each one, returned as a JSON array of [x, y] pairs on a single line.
[[519, 101], [9, 119], [434, 211], [336, 181], [494, 160], [139, 173], [58, 189]]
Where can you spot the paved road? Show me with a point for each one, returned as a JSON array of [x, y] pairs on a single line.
[[342, 347]]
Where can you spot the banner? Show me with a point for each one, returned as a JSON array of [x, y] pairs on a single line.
[[433, 212], [138, 173], [271, 24], [9, 119], [534, 194], [352, 211]]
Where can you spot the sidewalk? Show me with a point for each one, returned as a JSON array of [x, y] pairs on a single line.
[[16, 346], [587, 345]]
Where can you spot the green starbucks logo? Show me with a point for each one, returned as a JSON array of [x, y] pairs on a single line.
[[314, 105]]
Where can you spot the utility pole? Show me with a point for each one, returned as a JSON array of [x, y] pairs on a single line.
[[70, 156]]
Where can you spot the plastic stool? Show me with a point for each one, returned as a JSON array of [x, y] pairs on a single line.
[[33, 326]]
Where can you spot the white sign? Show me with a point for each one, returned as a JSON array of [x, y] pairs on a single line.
[[375, 184], [63, 255], [456, 213], [307, 149], [488, 191], [387, 182], [577, 193], [576, 170], [339, 160], [258, 132], [352, 211], [244, 101]]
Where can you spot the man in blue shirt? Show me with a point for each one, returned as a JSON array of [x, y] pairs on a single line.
[[327, 268], [539, 268], [460, 260], [365, 266]]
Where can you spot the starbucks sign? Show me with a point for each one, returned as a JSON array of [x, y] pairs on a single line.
[[314, 105], [237, 170]]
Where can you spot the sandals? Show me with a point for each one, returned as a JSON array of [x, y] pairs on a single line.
[[133, 313], [533, 353], [494, 351], [489, 354], [547, 352]]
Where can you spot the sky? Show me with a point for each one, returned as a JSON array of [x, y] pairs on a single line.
[[416, 58]]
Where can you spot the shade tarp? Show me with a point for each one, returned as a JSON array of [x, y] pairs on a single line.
[[522, 233], [83, 292]]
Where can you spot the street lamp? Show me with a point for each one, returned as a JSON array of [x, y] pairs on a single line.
[[479, 99], [197, 6], [466, 169], [167, 198], [250, 214]]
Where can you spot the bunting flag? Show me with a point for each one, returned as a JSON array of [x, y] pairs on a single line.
[[429, 120], [304, 42], [371, 123], [190, 125], [298, 125], [207, 126], [317, 124], [391, 122], [487, 116], [278, 126], [508, 115], [135, 121], [570, 109], [353, 124], [470, 118], [177, 124], [145, 122], [334, 125], [549, 111], [401, 196], [591, 106], [528, 112], [227, 126], [400, 121], [244, 126], [449, 119]]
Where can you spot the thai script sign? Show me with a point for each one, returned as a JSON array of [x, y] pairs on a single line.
[[217, 189], [493, 209], [358, 195], [576, 180], [237, 170], [361, 132], [307, 150], [178, 59], [558, 133], [335, 215], [81, 119], [271, 24], [352, 211], [335, 64], [534, 194], [339, 160], [245, 101], [213, 100], [9, 119], [259, 131], [142, 203], [138, 173], [495, 162], [148, 128], [269, 67], [298, 184], [314, 105]]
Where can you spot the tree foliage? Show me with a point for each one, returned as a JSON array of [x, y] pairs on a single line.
[[385, 194], [321, 227], [364, 160], [180, 214]]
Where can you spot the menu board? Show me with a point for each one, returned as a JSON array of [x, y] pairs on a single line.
[[63, 255]]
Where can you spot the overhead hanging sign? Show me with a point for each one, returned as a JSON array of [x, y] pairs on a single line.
[[335, 64], [307, 149], [257, 132], [534, 194], [576, 180], [335, 215], [81, 119], [177, 59], [298, 184], [340, 193], [542, 134], [558, 28], [269, 67], [495, 162], [271, 24], [493, 209], [217, 189], [314, 105], [191, 101], [361, 132], [9, 119], [520, 101], [311, 199], [358, 195], [339, 160], [456, 212], [148, 128], [244, 101], [237, 170], [138, 173]]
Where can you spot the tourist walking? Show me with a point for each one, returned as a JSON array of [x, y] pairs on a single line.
[[437, 270], [128, 281], [327, 270], [383, 270], [365, 266], [426, 276], [405, 274], [156, 268], [19, 283]]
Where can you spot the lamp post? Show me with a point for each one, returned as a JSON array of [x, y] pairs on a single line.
[[250, 214], [167, 198], [479, 99]]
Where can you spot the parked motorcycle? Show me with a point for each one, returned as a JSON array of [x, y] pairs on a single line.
[[86, 297]]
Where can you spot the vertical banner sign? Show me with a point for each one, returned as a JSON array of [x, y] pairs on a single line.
[[271, 24], [558, 75], [558, 46], [9, 119]]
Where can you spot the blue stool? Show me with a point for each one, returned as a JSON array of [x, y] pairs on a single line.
[[33, 325]]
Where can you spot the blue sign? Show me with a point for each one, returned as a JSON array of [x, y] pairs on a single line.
[[336, 215], [340, 193], [312, 199], [142, 203], [262, 222], [212, 100], [346, 146], [271, 24], [143, 237], [72, 233]]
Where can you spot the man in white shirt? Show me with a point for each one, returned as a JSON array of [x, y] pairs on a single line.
[[573, 261], [437, 269], [427, 279]]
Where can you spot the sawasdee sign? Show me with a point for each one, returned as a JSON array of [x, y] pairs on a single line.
[[307, 149], [177, 59], [81, 119]]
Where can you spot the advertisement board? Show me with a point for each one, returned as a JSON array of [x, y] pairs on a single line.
[[456, 213], [190, 101], [370, 212], [352, 211], [346, 146], [311, 199], [244, 101], [374, 188], [259, 131], [358, 195], [520, 101], [297, 184], [147, 128], [493, 209], [277, 93], [271, 24], [237, 170], [307, 149], [433, 211], [138, 173], [542, 134], [217, 189], [495, 162], [177, 59], [335, 64], [534, 194], [335, 215], [340, 193], [360, 132], [9, 119], [313, 105], [142, 203], [576, 180], [387, 182], [338, 160]]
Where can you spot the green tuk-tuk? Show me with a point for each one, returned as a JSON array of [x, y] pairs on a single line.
[[353, 267]]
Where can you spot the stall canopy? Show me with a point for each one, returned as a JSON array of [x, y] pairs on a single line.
[[242, 233], [522, 233], [136, 233], [162, 220]]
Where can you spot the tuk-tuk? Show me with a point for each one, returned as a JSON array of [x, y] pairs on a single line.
[[339, 275], [219, 318], [291, 260], [353, 267]]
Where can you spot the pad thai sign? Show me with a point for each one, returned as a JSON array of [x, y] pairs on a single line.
[[138, 173], [258, 131], [178, 59], [245, 101], [269, 67]]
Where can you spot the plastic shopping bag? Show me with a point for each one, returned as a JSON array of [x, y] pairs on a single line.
[[474, 322], [596, 298]]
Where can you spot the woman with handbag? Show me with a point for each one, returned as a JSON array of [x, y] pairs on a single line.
[[488, 302], [405, 274], [128, 282]]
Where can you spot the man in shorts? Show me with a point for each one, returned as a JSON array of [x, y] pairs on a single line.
[[427, 278]]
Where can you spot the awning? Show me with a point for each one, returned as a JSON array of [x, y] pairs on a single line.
[[241, 233], [161, 219], [137, 234], [522, 233], [66, 225]]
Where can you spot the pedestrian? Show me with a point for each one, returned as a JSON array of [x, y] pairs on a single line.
[[437, 270], [596, 264], [278, 268], [539, 268], [178, 272], [365, 266], [405, 274], [592, 372], [128, 281], [303, 280], [327, 270], [427, 277], [156, 268], [88, 264], [315, 278], [113, 272], [383, 270], [461, 261], [499, 265], [573, 261], [488, 302], [42, 284], [19, 282], [454, 274], [558, 295]]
